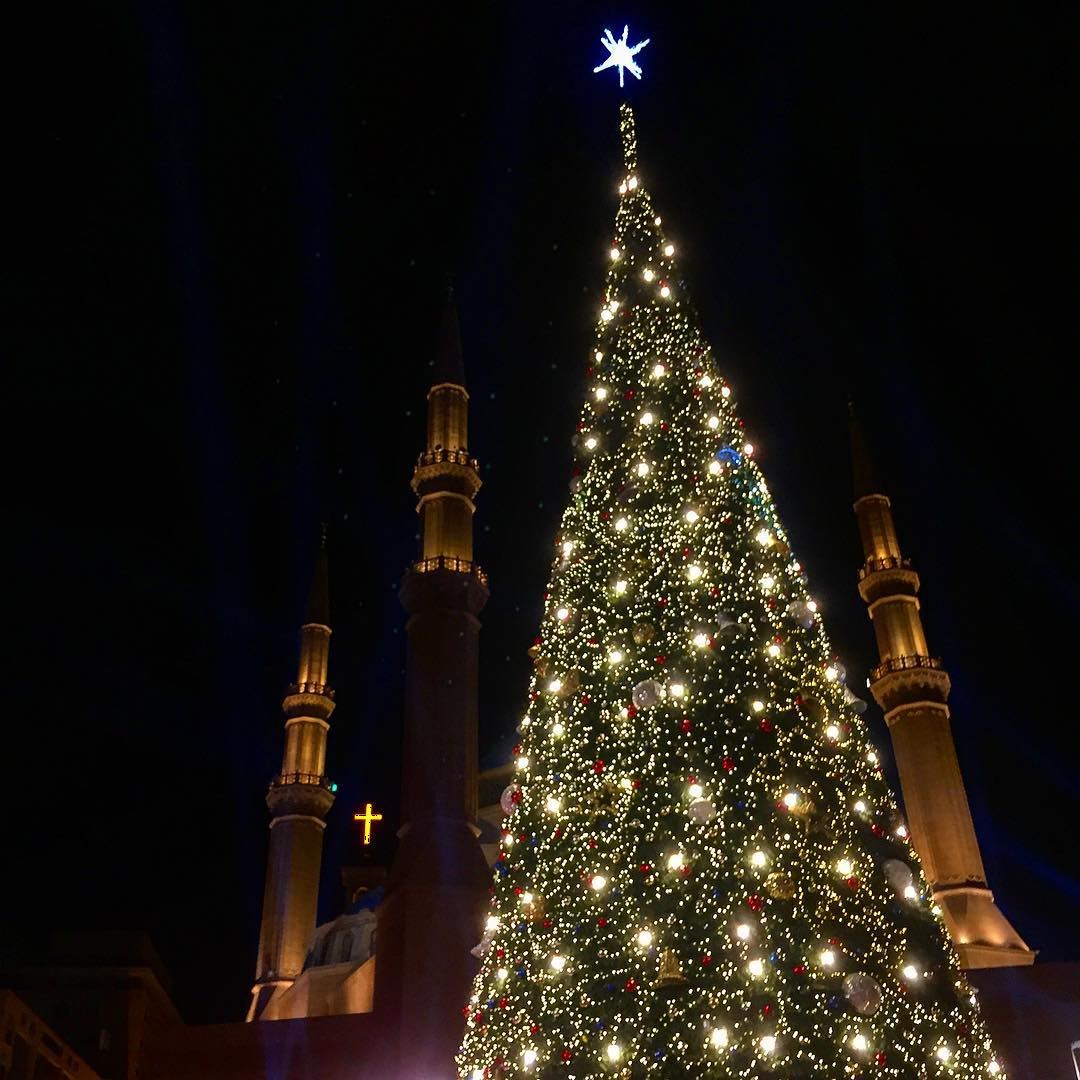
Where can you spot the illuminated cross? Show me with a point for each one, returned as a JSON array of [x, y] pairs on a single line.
[[367, 817], [620, 54]]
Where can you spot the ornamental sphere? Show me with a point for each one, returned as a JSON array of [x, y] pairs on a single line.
[[506, 799], [780, 886], [643, 633], [702, 810], [862, 993], [646, 694], [802, 613], [899, 874]]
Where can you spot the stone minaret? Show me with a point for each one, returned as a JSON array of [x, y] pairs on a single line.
[[299, 799], [439, 883], [912, 687]]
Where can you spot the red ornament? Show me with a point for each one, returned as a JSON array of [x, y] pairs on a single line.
[[635, 784], [631, 712], [478, 1017], [592, 842], [547, 924], [631, 984], [799, 969], [880, 1059], [629, 395], [558, 832], [877, 830], [566, 1055], [517, 749], [518, 890], [686, 725], [662, 658], [662, 602], [500, 953], [685, 871], [663, 425], [645, 868], [585, 699], [503, 1002], [766, 1010], [754, 902], [601, 922], [686, 552], [706, 960], [727, 764], [516, 797], [766, 724], [598, 767], [715, 590], [853, 882], [534, 1029]]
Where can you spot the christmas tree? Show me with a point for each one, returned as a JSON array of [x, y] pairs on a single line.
[[703, 870]]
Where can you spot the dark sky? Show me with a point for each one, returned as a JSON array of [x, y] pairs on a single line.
[[230, 247]]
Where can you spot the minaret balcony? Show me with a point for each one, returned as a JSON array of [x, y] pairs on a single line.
[[905, 680], [439, 454], [303, 794], [889, 562], [311, 688], [450, 562], [283, 779], [890, 575]]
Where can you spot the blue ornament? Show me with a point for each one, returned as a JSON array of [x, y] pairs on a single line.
[[834, 1002], [729, 454], [658, 1055]]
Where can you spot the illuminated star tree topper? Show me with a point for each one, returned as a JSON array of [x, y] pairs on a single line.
[[620, 54]]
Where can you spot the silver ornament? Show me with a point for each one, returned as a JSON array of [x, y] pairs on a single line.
[[646, 694], [863, 994]]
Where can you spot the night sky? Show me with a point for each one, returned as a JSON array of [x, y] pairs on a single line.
[[229, 254]]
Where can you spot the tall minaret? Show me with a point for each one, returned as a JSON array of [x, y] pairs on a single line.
[[439, 883], [299, 799], [912, 687]]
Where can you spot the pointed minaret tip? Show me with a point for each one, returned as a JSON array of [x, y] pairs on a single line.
[[863, 471], [449, 365], [318, 603]]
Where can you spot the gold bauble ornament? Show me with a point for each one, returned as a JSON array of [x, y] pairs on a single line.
[[643, 633], [780, 886]]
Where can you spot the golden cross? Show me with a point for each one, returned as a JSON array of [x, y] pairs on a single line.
[[367, 817]]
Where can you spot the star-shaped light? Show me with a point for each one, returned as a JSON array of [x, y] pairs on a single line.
[[620, 54]]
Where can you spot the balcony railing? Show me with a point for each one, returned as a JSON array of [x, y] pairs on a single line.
[[450, 562], [904, 663], [310, 688], [314, 779], [458, 457], [889, 562]]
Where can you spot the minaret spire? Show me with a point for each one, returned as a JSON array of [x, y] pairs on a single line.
[[440, 881], [298, 799], [912, 687]]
